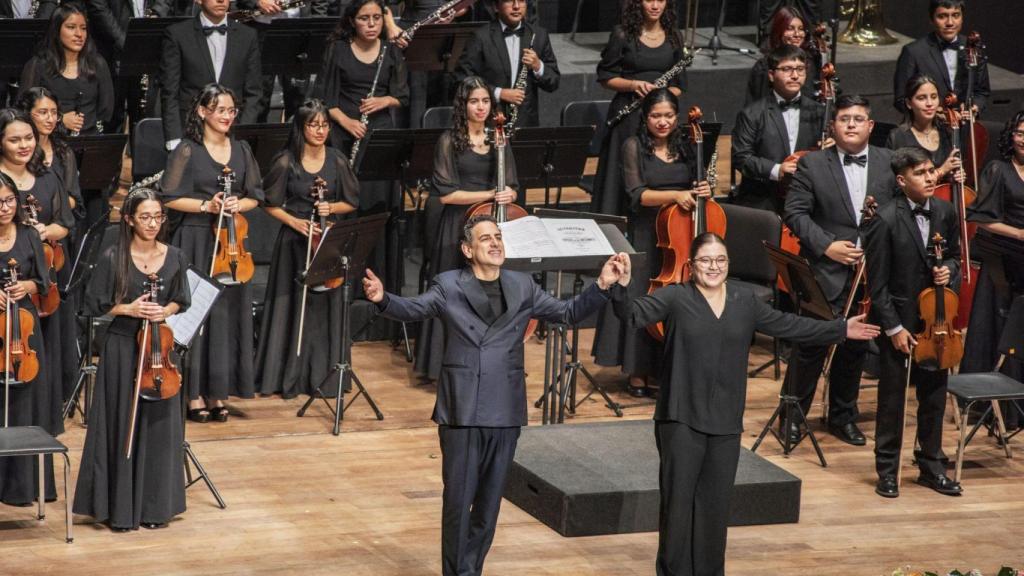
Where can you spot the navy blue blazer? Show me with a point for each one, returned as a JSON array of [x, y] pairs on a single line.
[[482, 381]]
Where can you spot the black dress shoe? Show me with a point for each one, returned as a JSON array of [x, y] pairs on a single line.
[[886, 487], [637, 391], [848, 433], [940, 483], [154, 525], [794, 431]]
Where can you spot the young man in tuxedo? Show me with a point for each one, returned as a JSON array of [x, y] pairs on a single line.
[[771, 129], [898, 247], [208, 48], [481, 394], [942, 55], [823, 208], [497, 52]]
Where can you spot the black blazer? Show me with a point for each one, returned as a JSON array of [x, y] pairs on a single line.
[[108, 20], [482, 381], [923, 56], [760, 141], [45, 10], [486, 55], [186, 67], [819, 210], [899, 267]]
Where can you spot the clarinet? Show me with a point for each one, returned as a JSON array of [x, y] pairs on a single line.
[[250, 15], [520, 84], [446, 10], [661, 82], [365, 118]]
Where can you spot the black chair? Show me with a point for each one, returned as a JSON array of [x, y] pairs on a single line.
[[587, 113], [149, 154], [748, 229], [437, 117], [880, 134], [991, 387], [34, 441]]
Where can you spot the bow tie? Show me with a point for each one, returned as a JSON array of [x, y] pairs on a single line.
[[793, 104], [516, 32], [861, 160], [222, 29], [951, 45], [921, 211]]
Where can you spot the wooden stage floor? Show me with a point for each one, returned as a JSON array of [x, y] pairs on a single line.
[[368, 502]]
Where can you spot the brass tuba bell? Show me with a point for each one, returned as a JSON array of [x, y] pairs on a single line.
[[867, 25]]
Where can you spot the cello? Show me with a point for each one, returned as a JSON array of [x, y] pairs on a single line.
[[677, 228], [977, 141], [20, 364], [53, 252], [319, 192], [156, 377], [231, 262], [940, 345]]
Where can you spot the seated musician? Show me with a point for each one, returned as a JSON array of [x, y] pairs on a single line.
[[899, 268], [941, 55], [771, 129], [499, 52], [788, 27]]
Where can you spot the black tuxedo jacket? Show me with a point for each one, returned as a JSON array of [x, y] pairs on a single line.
[[45, 10], [760, 141], [819, 211], [899, 266], [924, 56], [482, 382], [108, 20], [186, 67], [486, 55]]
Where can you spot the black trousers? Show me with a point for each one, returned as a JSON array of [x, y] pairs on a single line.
[[930, 386], [474, 465], [696, 478], [805, 365]]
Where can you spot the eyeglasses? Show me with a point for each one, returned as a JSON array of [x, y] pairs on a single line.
[[790, 69], [857, 120], [317, 125], [1017, 133], [705, 262], [9, 202], [229, 112], [45, 114], [147, 219]]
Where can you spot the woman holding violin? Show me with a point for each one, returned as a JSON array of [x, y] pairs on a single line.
[[207, 162], [22, 160], [32, 402], [145, 488], [304, 170], [464, 174], [658, 169], [924, 127]]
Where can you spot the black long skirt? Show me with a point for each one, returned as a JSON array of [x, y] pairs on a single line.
[[149, 487], [278, 369], [608, 196]]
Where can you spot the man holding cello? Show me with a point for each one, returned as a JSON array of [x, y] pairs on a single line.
[[906, 258]]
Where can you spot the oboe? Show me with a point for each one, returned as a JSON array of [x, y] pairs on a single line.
[[661, 82], [249, 15], [444, 11], [520, 84], [365, 118]]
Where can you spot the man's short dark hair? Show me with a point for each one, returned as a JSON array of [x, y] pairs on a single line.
[[934, 5], [849, 101], [467, 228], [785, 53], [909, 157]]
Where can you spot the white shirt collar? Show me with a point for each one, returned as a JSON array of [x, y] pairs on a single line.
[[206, 22]]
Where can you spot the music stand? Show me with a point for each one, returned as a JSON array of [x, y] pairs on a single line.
[[715, 43], [551, 156], [93, 152], [808, 298], [19, 39], [342, 253], [266, 140], [437, 47], [186, 326], [143, 45], [299, 45]]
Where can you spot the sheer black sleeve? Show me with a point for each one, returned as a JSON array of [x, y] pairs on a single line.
[[610, 65], [632, 172], [178, 291], [347, 188], [177, 179], [275, 183], [99, 292], [446, 172], [68, 174], [38, 272], [253, 185], [989, 206], [330, 87], [398, 85]]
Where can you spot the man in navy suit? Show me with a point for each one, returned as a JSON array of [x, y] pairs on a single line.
[[481, 394]]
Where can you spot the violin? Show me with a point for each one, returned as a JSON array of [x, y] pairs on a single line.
[[940, 345], [677, 228], [319, 191], [156, 377], [53, 256], [977, 141], [501, 212], [231, 262], [20, 364]]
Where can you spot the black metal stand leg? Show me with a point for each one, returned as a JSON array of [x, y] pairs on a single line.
[[190, 457], [86, 379], [715, 44]]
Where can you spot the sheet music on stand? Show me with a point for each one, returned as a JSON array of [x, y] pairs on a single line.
[[204, 292], [533, 237]]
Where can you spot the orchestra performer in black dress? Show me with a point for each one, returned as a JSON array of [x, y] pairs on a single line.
[[221, 360], [41, 105], [789, 27], [147, 489], [923, 126], [30, 402], [709, 326], [464, 173], [22, 160], [69, 65], [998, 210], [642, 47], [658, 167], [289, 199]]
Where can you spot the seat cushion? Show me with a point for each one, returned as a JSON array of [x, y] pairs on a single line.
[[28, 440], [982, 386]]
